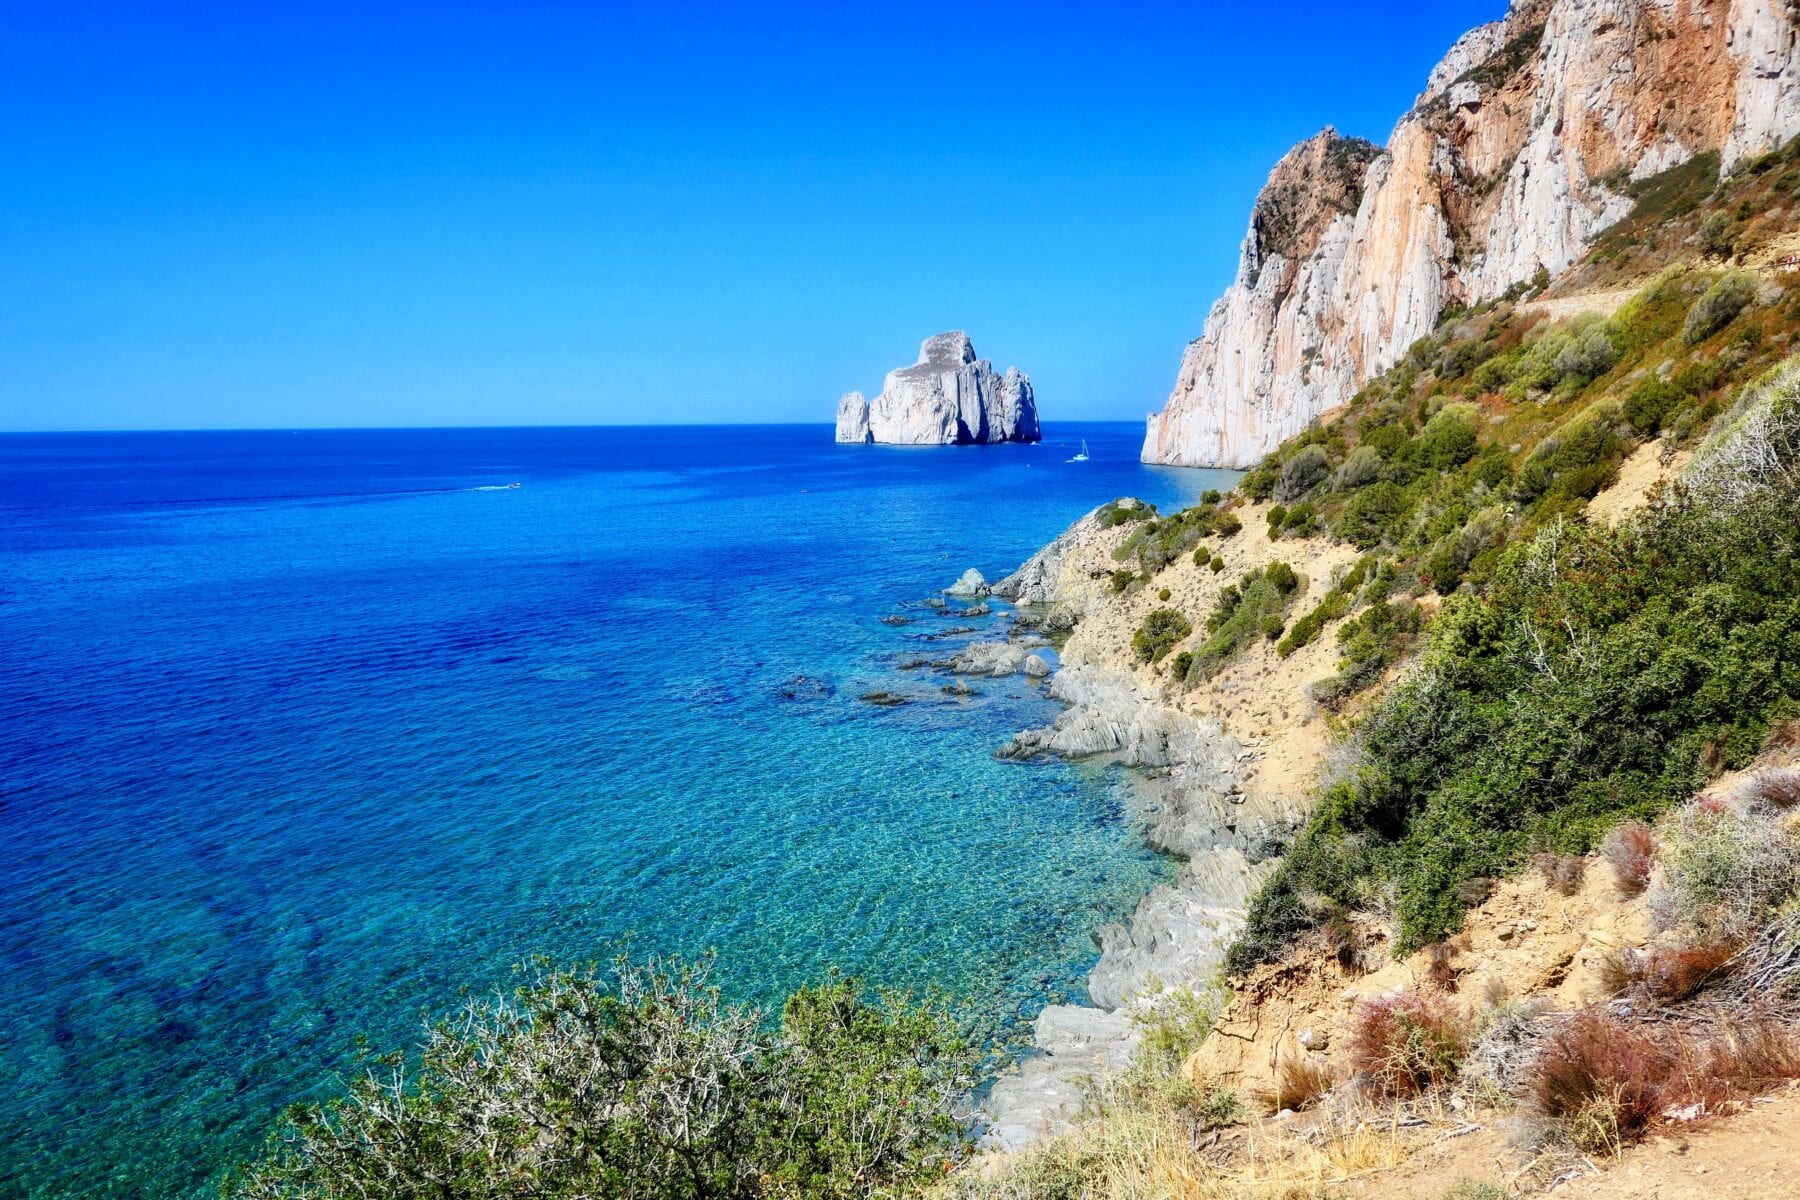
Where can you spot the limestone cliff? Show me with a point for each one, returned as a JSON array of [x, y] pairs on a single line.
[[949, 397], [1512, 160]]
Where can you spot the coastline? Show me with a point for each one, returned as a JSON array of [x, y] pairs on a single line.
[[1195, 801]]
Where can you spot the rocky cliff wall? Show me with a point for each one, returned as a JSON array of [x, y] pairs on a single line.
[[1513, 159]]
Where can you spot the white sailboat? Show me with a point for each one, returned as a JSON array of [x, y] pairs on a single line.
[[1083, 456]]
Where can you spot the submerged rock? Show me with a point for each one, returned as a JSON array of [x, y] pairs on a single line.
[[948, 397], [896, 619], [885, 699], [979, 610], [805, 687]]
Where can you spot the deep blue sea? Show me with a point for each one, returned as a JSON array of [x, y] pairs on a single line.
[[302, 732]]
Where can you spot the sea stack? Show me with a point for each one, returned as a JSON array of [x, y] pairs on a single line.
[[948, 398]]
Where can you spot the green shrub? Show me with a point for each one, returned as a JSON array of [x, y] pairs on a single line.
[[1162, 630], [1362, 468], [1372, 516], [1210, 496], [1449, 438], [1241, 616], [1370, 642], [1259, 484], [1719, 305], [1718, 235], [640, 1082], [1303, 472], [1226, 524], [1577, 461], [1119, 513], [1336, 602], [1650, 403], [1591, 683]]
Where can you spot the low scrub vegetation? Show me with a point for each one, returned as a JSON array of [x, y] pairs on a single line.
[[1602, 1084], [639, 1081], [1163, 629], [1253, 608], [1601, 675], [1408, 1044]]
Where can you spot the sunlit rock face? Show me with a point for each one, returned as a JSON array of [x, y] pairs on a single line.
[[948, 397], [1511, 161]]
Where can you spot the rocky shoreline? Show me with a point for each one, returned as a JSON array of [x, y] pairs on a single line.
[[1192, 804]]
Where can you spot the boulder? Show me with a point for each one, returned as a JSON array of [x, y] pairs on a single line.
[[970, 583]]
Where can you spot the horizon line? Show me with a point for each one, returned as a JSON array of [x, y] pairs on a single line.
[[448, 428]]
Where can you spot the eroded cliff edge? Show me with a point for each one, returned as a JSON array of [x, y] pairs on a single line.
[[1512, 160]]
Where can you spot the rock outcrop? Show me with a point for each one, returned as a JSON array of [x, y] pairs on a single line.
[[949, 397], [1512, 160]]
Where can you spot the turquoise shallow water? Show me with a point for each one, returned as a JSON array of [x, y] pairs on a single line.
[[303, 732]]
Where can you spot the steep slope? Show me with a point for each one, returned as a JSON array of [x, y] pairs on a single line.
[[1514, 158]]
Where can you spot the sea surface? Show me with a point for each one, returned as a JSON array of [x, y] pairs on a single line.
[[301, 733]]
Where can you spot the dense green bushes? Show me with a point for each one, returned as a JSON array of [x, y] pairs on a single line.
[[1162, 630], [1252, 607], [641, 1082], [1719, 305], [1597, 679]]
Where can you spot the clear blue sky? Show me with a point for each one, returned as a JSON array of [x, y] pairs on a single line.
[[595, 213]]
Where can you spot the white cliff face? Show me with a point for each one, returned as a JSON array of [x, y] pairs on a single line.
[[949, 397], [853, 418], [1496, 173]]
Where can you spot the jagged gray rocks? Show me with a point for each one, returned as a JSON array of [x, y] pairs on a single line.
[[1043, 1096], [949, 397]]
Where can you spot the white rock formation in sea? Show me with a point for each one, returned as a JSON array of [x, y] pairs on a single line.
[[1512, 160], [949, 397]]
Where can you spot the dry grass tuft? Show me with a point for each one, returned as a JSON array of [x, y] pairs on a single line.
[[1605, 1083], [1563, 873], [1630, 849], [1137, 1152], [1300, 1081], [1778, 787], [1671, 976], [1440, 965]]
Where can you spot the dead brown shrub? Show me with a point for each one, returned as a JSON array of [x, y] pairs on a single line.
[[1563, 873], [1778, 787], [1630, 849], [1410, 1043], [1671, 976], [1606, 1083]]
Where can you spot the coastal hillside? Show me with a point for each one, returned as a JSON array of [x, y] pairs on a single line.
[[1525, 145], [1474, 710]]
